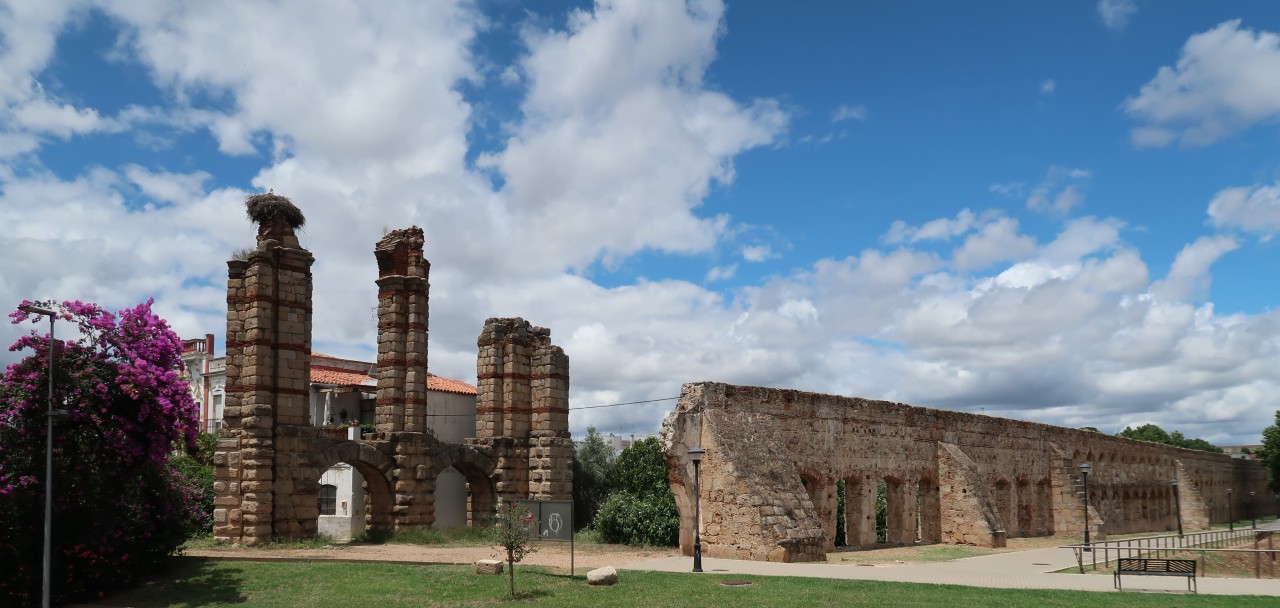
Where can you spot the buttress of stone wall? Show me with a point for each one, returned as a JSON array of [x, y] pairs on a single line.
[[522, 409], [403, 291], [268, 369]]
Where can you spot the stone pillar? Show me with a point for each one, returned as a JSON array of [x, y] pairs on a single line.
[[268, 375], [550, 447], [860, 511], [402, 332]]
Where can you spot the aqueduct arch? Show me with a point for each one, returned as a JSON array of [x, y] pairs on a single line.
[[952, 477], [270, 455]]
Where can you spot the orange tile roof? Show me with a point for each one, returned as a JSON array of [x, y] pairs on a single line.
[[449, 385], [324, 374]]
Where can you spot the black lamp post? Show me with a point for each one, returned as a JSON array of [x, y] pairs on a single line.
[[1252, 515], [696, 456], [48, 458], [1177, 505], [1231, 518], [1084, 471]]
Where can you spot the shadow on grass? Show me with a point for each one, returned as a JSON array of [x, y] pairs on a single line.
[[192, 581]]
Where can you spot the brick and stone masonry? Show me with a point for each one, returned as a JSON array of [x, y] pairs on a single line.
[[522, 409], [269, 456], [774, 458]]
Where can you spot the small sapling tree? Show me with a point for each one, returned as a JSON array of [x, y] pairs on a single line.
[[514, 532]]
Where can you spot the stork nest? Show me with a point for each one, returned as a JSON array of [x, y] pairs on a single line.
[[265, 208]]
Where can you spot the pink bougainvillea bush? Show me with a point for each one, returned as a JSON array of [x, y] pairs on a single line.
[[119, 506]]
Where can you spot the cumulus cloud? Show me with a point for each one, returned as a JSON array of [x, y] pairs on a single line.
[[1221, 85], [1253, 209], [1115, 14]]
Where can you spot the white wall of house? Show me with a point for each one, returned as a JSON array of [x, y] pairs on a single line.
[[347, 520], [453, 418]]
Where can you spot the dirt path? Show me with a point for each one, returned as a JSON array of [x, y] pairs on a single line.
[[552, 555]]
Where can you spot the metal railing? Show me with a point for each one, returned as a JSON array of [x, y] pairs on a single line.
[[1204, 543]]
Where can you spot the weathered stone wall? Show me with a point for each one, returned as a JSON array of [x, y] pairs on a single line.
[[774, 457], [269, 458]]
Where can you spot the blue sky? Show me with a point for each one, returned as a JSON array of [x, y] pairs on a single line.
[[1062, 212]]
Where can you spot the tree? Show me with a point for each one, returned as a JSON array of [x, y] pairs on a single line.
[[643, 510], [119, 507], [591, 480], [514, 531], [1270, 453], [1155, 434]]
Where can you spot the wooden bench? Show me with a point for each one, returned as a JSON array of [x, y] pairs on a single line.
[[1143, 566]]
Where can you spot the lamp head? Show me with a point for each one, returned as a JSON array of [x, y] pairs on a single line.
[[1084, 468], [1173, 482], [36, 310], [696, 455]]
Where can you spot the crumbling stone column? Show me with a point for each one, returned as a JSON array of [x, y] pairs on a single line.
[[403, 291], [268, 369]]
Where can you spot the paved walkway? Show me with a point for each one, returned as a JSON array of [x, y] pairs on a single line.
[[1015, 570]]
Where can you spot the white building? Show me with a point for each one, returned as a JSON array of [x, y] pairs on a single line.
[[345, 391]]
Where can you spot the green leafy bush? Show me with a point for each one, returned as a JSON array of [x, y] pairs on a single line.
[[643, 511]]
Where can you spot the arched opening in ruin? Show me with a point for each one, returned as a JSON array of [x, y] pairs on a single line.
[[842, 508], [350, 498], [481, 494], [450, 500], [882, 511]]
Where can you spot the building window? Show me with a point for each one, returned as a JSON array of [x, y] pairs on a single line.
[[328, 499], [215, 426]]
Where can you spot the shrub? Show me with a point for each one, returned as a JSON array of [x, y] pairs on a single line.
[[639, 520], [643, 511], [120, 506]]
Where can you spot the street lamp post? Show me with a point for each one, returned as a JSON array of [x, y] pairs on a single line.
[[1084, 471], [1252, 515], [48, 458], [1177, 505], [696, 456], [1231, 518]]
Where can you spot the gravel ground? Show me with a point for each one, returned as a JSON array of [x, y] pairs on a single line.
[[552, 555]]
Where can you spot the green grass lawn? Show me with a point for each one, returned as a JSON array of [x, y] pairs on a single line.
[[196, 582]]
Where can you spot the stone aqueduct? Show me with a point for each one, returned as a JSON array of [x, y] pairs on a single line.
[[269, 456], [774, 458]]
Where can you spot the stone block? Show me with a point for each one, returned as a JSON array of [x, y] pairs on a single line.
[[607, 575], [489, 566]]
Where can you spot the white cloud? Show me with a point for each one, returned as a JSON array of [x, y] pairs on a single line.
[[1224, 82], [1115, 14], [721, 273], [1253, 209], [848, 112], [620, 141], [1061, 190], [757, 253], [1048, 87], [939, 229], [1013, 189]]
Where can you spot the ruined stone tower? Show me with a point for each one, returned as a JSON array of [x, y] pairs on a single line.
[[402, 332], [522, 410], [268, 375]]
